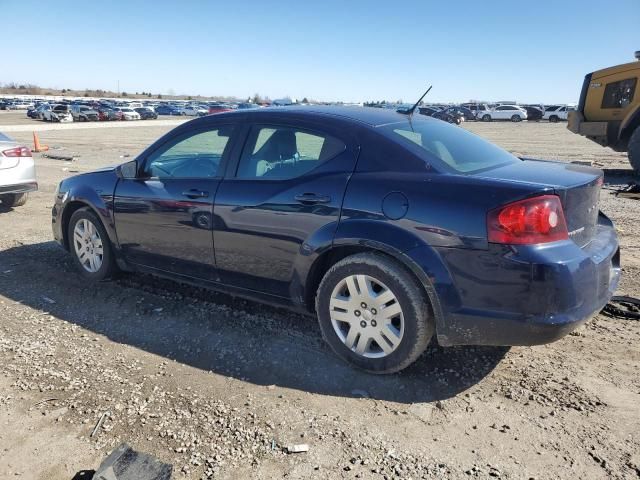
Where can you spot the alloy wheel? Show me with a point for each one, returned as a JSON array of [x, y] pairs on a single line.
[[366, 316], [88, 245]]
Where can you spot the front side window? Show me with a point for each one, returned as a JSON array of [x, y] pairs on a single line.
[[451, 148], [285, 152], [619, 94], [191, 156]]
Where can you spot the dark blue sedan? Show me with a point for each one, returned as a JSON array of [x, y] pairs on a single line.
[[392, 229]]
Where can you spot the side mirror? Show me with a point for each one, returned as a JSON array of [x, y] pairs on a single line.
[[128, 170]]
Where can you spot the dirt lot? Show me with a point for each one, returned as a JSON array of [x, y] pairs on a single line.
[[220, 387]]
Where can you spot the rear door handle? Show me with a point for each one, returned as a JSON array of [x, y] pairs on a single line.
[[195, 193], [312, 198]]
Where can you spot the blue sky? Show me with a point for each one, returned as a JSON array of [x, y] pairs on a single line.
[[535, 51]]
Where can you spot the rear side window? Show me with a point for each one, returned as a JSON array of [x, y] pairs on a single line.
[[448, 147], [619, 94], [285, 152]]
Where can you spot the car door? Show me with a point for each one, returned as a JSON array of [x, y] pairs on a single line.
[[286, 190], [501, 113], [163, 217]]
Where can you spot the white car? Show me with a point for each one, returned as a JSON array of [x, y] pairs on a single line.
[[194, 110], [478, 109], [17, 173], [555, 113], [59, 113], [128, 113], [21, 105], [504, 112]]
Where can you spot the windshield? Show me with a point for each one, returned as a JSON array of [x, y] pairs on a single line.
[[452, 148]]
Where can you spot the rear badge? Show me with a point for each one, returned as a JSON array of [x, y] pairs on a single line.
[[576, 231]]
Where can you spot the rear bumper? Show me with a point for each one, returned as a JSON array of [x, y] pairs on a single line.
[[527, 295], [20, 178], [19, 188]]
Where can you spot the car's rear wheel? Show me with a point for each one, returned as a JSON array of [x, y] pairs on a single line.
[[516, 118], [553, 119], [373, 313], [89, 245], [486, 118], [14, 199], [633, 150]]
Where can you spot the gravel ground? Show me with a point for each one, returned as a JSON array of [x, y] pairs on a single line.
[[221, 387]]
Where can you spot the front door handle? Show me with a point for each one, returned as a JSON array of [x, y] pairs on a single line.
[[312, 198], [195, 193]]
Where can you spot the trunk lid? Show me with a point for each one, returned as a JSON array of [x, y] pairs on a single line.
[[577, 186]]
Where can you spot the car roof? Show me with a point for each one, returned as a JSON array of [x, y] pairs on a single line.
[[367, 115]]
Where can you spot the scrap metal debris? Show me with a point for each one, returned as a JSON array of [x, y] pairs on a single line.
[[301, 448], [100, 422], [623, 307], [68, 158], [631, 190], [124, 463]]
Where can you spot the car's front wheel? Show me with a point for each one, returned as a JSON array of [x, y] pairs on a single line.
[[89, 245], [553, 119], [516, 118], [486, 118], [374, 313]]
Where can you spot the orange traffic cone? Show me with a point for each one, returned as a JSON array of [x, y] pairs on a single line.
[[36, 144]]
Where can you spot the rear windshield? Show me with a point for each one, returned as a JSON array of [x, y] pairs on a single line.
[[449, 147], [5, 138]]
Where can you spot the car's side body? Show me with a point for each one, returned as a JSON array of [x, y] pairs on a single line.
[[273, 240], [146, 113], [556, 113], [505, 112]]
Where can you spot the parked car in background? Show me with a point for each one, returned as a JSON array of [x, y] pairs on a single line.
[[325, 211], [82, 113], [127, 113], [247, 106], [463, 112], [555, 113], [32, 112], [533, 113], [505, 112], [108, 113], [219, 108], [167, 110], [58, 113], [440, 115], [427, 111], [146, 113], [17, 173], [21, 105], [194, 110], [478, 109]]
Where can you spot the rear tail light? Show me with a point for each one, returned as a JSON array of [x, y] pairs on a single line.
[[17, 152], [530, 221]]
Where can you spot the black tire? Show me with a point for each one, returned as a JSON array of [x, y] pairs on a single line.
[[633, 151], [411, 296], [553, 119], [108, 267], [486, 118], [516, 118], [14, 199]]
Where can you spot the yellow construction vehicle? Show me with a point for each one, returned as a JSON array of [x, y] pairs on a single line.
[[609, 109]]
